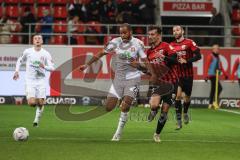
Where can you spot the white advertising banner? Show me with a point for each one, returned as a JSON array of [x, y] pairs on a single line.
[[198, 8]]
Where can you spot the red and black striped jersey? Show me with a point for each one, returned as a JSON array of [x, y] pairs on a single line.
[[184, 49], [164, 70]]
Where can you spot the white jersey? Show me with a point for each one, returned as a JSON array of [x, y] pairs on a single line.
[[33, 60], [134, 49]]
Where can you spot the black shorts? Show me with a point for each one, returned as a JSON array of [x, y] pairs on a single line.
[[164, 91], [186, 84]]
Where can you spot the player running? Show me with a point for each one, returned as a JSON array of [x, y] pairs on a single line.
[[187, 53], [127, 78], [38, 61], [162, 57]]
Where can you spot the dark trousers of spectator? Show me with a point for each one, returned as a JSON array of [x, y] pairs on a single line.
[[213, 88]]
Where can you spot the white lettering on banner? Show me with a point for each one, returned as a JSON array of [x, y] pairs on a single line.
[[198, 7], [60, 100], [97, 65], [230, 103], [2, 100], [181, 6]]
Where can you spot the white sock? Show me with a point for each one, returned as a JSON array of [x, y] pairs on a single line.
[[38, 114], [122, 121]]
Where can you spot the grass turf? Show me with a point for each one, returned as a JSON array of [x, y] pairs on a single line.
[[210, 135]]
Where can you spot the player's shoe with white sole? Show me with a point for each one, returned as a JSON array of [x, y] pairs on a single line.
[[116, 137], [156, 138], [35, 124]]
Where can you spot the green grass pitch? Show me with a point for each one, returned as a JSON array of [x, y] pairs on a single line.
[[211, 135]]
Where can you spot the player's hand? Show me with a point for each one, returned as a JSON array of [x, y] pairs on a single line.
[[41, 65], [15, 76], [133, 62], [83, 67], [182, 60]]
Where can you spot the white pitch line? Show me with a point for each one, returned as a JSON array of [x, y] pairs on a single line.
[[130, 140], [229, 111]]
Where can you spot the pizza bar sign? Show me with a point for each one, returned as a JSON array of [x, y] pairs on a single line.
[[187, 6]]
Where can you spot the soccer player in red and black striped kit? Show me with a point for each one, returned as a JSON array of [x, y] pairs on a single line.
[[162, 58], [187, 53]]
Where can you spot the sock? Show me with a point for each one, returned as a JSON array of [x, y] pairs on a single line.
[[122, 121], [38, 114], [178, 107], [161, 122], [185, 107]]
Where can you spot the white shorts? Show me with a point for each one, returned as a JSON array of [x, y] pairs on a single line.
[[36, 91]]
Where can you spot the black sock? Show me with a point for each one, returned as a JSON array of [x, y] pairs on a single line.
[[161, 122], [178, 107], [185, 107]]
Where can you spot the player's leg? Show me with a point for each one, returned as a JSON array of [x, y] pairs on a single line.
[[41, 96], [125, 107], [130, 88], [30, 94], [32, 101], [187, 90], [154, 104], [167, 102], [178, 107], [39, 111], [239, 82]]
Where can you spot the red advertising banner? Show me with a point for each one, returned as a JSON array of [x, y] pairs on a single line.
[[199, 8], [187, 6], [103, 69]]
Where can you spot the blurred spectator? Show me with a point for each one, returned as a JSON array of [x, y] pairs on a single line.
[[216, 20], [146, 9], [78, 8], [27, 17], [213, 64], [46, 27], [73, 29], [125, 12], [94, 10], [93, 29], [108, 12], [6, 27]]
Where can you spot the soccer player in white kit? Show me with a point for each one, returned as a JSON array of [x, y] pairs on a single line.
[[38, 61], [127, 78]]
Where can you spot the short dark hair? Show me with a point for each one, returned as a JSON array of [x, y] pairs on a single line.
[[178, 26], [126, 25], [157, 28], [37, 34]]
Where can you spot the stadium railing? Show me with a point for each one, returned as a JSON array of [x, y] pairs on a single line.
[[201, 34]]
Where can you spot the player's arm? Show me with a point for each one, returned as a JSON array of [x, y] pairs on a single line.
[[20, 60], [109, 48], [146, 63], [92, 60], [49, 65], [197, 56]]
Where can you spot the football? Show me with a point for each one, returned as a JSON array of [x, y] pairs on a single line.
[[20, 134]]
